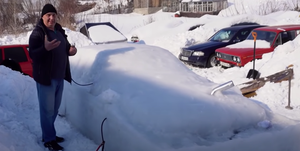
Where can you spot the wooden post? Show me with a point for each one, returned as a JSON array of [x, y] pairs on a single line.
[[289, 96]]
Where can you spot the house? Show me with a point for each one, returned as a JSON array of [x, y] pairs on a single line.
[[194, 8], [147, 6], [170, 5], [189, 8]]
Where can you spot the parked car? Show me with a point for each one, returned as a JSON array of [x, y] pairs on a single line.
[[268, 38], [203, 54], [142, 101], [16, 57]]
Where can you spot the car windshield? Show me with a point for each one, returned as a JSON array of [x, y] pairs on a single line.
[[263, 35], [223, 36]]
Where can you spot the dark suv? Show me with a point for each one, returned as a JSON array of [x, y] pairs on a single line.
[[203, 54], [16, 57]]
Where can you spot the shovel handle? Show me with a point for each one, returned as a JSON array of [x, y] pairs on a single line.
[[254, 34]]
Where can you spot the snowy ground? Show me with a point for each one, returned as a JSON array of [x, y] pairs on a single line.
[[19, 120]]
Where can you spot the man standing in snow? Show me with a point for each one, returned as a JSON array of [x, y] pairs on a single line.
[[49, 50]]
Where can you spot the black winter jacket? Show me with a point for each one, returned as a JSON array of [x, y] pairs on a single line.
[[42, 59]]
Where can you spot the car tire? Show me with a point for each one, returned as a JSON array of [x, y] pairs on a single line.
[[12, 65], [212, 61]]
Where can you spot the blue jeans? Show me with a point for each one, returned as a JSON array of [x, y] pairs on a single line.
[[49, 101]]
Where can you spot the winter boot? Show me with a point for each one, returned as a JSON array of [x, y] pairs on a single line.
[[57, 139], [53, 146]]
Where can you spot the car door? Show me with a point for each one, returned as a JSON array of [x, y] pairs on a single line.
[[19, 55]]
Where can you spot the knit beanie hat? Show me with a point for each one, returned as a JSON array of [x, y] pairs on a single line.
[[48, 8]]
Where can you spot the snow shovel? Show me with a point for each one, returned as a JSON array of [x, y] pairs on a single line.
[[252, 73]]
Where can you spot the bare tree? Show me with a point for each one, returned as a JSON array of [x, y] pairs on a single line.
[[295, 4], [9, 16], [17, 16], [65, 10], [265, 7], [271, 6], [31, 12], [68, 9]]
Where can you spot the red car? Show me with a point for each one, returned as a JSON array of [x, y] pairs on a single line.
[[268, 38], [16, 56]]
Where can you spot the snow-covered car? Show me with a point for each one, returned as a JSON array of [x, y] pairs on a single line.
[[151, 102], [268, 38]]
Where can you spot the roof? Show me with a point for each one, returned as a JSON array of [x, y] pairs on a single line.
[[243, 27], [13, 45], [280, 28]]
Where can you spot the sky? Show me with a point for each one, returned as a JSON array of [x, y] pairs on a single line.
[[151, 100]]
